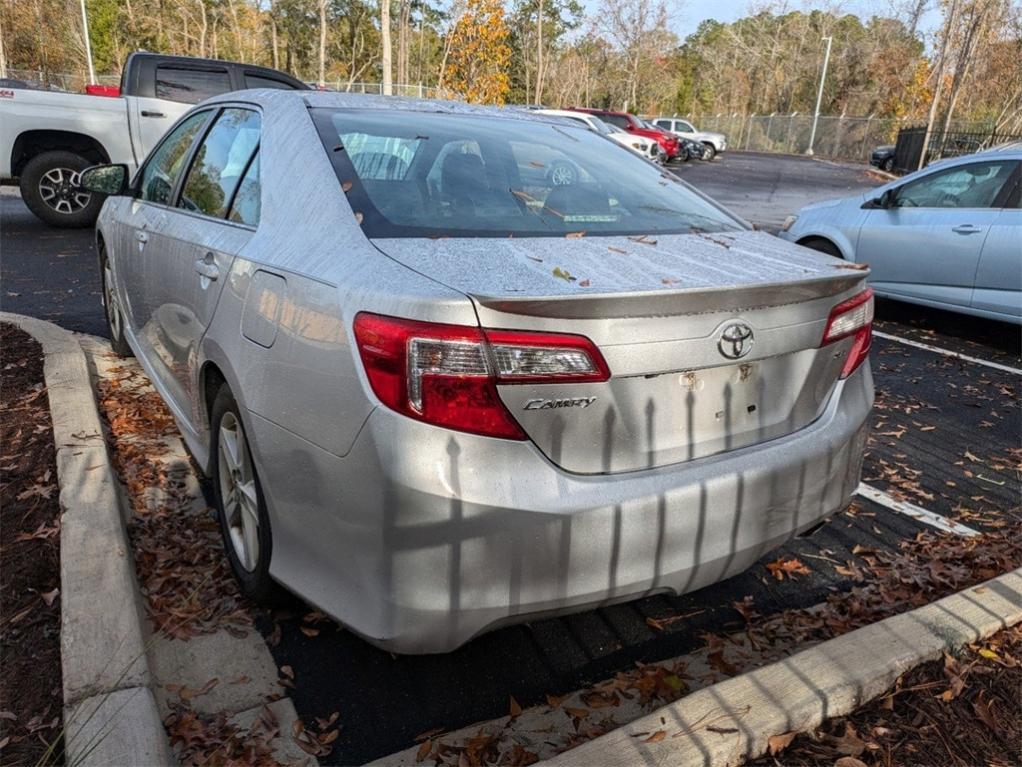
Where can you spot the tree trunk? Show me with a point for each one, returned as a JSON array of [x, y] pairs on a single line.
[[273, 37], [3, 56], [948, 30], [203, 29], [322, 43], [388, 85], [539, 54]]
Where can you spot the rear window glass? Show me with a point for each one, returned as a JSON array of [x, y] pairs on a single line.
[[255, 81], [190, 86], [475, 176]]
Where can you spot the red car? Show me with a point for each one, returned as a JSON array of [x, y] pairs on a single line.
[[668, 141]]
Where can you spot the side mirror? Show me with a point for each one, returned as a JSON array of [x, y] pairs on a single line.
[[886, 200], [105, 179]]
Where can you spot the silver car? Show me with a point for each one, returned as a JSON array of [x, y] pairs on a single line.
[[948, 236], [438, 393]]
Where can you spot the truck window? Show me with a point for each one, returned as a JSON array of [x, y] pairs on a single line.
[[220, 161], [190, 86], [255, 81], [164, 166]]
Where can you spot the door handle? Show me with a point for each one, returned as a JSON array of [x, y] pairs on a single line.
[[966, 229], [141, 236], [150, 113], [207, 269]]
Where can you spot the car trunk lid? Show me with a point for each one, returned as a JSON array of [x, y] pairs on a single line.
[[713, 340]]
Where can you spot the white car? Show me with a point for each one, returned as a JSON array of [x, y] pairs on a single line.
[[48, 138], [646, 147], [715, 142]]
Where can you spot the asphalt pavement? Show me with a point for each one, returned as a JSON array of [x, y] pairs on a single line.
[[945, 437]]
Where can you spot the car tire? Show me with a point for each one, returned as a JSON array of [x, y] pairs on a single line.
[[711, 151], [823, 246], [112, 307], [887, 165], [240, 505], [49, 187]]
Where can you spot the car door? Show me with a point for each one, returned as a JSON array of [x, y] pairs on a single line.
[[196, 244], [133, 255], [926, 243], [177, 89], [999, 277]]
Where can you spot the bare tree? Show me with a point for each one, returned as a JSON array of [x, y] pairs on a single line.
[[322, 43], [388, 86]]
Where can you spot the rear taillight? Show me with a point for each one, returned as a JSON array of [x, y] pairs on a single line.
[[853, 317], [447, 375]]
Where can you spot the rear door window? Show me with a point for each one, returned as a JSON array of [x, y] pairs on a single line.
[[220, 162], [975, 185], [190, 86], [246, 205], [618, 120]]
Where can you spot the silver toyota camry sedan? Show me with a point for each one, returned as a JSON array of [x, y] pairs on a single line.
[[440, 386]]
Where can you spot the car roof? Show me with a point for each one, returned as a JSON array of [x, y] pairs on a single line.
[[339, 100]]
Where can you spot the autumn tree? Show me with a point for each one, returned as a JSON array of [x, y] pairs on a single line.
[[477, 65]]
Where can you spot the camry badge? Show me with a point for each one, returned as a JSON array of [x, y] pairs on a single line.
[[547, 404], [735, 340]]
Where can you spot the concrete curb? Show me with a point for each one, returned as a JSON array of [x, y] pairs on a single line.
[[731, 721], [109, 708]]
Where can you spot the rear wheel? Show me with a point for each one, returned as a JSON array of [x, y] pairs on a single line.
[[241, 509], [711, 151], [49, 187], [888, 164], [823, 246]]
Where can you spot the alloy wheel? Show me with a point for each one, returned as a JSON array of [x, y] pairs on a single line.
[[59, 190], [238, 491]]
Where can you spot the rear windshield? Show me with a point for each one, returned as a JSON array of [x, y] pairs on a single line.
[[416, 174]]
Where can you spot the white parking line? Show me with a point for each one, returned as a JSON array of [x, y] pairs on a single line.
[[947, 353], [911, 510]]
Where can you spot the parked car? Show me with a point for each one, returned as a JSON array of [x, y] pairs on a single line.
[[948, 236], [435, 397], [883, 157], [633, 125], [642, 146], [715, 143], [47, 138]]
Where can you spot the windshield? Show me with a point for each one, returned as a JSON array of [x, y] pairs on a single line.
[[426, 174]]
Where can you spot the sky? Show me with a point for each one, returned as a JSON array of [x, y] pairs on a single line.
[[686, 16]]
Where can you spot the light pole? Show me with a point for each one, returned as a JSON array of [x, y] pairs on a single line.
[[88, 45], [819, 94]]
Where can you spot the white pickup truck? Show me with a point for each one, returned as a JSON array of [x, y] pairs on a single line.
[[47, 138]]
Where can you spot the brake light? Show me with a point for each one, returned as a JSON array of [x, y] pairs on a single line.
[[447, 375], [853, 317]]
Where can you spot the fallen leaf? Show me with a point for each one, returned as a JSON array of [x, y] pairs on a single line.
[[781, 568], [49, 596], [656, 737], [849, 761], [516, 710], [777, 743], [424, 750]]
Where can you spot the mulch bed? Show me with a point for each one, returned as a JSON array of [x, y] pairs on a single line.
[[960, 711], [31, 691]]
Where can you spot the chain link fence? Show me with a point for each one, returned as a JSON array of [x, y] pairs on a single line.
[[837, 137], [57, 81]]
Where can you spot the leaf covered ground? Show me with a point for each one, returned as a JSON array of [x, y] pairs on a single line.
[[963, 710], [31, 691]]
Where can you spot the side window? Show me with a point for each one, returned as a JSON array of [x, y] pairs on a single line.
[[245, 208], [975, 185], [164, 165], [220, 161], [616, 120], [665, 124], [190, 86], [255, 81], [684, 127]]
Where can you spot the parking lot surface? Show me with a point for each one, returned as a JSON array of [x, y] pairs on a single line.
[[945, 439]]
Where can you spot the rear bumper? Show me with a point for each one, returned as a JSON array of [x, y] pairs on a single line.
[[422, 538]]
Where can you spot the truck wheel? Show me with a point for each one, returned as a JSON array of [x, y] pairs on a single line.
[[888, 164], [711, 151], [49, 187]]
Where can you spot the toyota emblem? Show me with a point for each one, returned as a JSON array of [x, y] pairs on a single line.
[[735, 340]]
